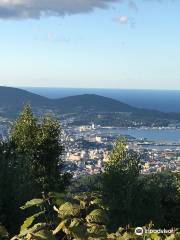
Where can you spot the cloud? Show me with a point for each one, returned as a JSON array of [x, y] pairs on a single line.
[[24, 9], [52, 37], [123, 20]]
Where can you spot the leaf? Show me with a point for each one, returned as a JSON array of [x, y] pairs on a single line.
[[97, 231], [98, 202], [128, 236], [59, 228], [27, 223], [37, 227], [81, 200], [97, 216], [155, 236], [68, 209], [78, 229], [44, 235], [33, 202]]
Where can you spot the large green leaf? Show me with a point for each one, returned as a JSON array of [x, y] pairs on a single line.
[[33, 202], [37, 227], [28, 222]]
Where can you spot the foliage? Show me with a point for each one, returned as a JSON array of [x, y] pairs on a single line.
[[157, 198], [90, 183], [31, 167], [119, 181], [39, 142], [136, 199], [81, 217], [9, 186], [30, 163]]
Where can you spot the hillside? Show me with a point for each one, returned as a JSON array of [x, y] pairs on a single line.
[[16, 97], [12, 101], [93, 103]]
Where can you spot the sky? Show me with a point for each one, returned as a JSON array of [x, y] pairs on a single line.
[[128, 44]]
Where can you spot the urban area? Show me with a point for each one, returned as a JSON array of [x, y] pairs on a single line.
[[87, 149]]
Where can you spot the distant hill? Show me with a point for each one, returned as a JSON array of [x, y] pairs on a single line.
[[16, 97], [12, 101], [161, 100], [93, 103]]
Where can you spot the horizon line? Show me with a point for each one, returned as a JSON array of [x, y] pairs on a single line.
[[91, 88]]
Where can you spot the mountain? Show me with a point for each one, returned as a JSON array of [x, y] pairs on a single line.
[[12, 101], [93, 103], [161, 100], [16, 97]]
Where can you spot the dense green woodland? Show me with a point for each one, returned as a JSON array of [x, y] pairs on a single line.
[[39, 201]]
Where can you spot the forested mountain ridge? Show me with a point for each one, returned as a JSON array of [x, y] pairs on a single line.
[[12, 101]]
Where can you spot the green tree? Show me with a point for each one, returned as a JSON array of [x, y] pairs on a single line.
[[9, 187], [157, 198], [30, 163], [38, 142], [119, 183]]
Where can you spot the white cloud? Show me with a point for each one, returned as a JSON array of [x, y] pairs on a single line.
[[22, 9], [123, 20]]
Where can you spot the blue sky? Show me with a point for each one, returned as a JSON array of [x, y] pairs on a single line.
[[129, 44]]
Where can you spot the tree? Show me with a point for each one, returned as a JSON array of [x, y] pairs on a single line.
[[39, 143], [9, 187], [119, 182], [158, 199], [30, 163]]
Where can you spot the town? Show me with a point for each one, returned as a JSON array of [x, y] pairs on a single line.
[[87, 152], [87, 149]]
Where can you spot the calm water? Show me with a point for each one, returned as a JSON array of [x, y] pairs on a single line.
[[167, 135]]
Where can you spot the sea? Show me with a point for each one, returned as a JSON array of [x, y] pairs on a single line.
[[156, 135]]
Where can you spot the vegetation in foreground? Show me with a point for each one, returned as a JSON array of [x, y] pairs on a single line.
[[118, 200]]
